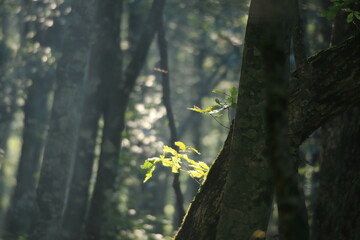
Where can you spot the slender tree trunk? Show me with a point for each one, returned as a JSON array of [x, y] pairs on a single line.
[[136, 20], [106, 30], [36, 116], [9, 88], [7, 108], [116, 96], [162, 45], [6, 90], [36, 111], [62, 138], [109, 67]]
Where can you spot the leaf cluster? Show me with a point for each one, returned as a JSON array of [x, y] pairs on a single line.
[[343, 5], [220, 104], [175, 160]]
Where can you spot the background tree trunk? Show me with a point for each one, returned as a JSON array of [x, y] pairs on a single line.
[[162, 45], [21, 212], [116, 97], [36, 117], [105, 35], [65, 119]]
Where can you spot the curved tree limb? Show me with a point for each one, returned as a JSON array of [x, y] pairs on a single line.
[[335, 88]]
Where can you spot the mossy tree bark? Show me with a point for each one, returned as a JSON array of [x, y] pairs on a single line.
[[309, 107]]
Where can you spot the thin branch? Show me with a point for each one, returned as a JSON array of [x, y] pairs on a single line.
[[162, 45]]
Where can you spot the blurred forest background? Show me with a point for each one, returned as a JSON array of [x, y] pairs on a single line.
[[89, 89]]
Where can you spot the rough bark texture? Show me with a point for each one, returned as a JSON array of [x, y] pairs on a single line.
[[62, 138], [307, 111], [337, 213], [332, 88], [248, 190]]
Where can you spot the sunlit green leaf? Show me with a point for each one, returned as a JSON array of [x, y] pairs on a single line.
[[185, 157], [196, 151], [195, 174], [149, 162], [196, 109], [166, 162], [204, 165], [350, 17], [149, 173], [357, 14], [218, 91], [174, 169], [170, 150], [233, 92], [181, 145]]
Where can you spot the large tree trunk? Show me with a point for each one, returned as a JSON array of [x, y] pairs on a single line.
[[116, 96], [309, 108], [62, 138], [247, 201], [337, 214], [293, 222]]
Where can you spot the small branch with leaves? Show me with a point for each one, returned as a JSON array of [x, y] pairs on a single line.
[[178, 161], [221, 104]]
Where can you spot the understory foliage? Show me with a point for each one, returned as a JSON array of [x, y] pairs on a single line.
[[174, 159], [178, 160], [348, 6], [228, 102]]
